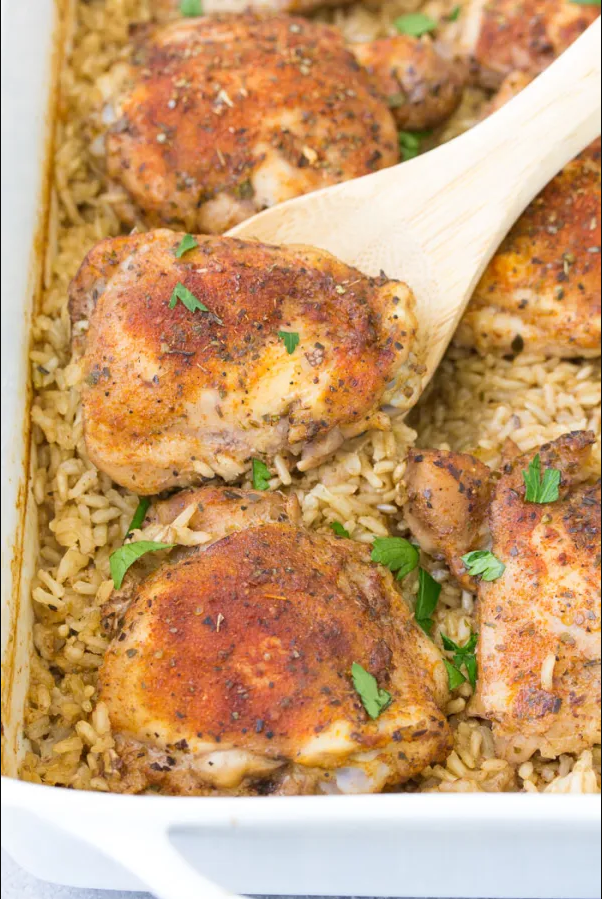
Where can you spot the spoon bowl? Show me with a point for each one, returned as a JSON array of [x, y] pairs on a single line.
[[436, 221]]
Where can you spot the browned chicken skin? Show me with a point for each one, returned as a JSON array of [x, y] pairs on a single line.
[[232, 666], [448, 496], [422, 86], [541, 291], [172, 395], [503, 36], [220, 117], [539, 623]]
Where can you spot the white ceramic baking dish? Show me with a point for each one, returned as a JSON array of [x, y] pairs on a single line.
[[394, 845]]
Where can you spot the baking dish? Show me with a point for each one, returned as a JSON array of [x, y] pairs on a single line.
[[404, 845]]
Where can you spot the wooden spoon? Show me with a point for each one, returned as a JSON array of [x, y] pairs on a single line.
[[436, 221]]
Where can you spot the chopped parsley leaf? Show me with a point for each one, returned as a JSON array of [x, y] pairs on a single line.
[[541, 489], [484, 564], [290, 339], [398, 554], [374, 700], [455, 678], [464, 655], [187, 243], [410, 143], [261, 475], [426, 601], [394, 101], [187, 298], [191, 8], [139, 515], [454, 15], [124, 557], [339, 530], [415, 24]]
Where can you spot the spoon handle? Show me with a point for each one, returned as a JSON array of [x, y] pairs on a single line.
[[481, 182]]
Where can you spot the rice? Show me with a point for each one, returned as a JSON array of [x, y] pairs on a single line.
[[474, 404]]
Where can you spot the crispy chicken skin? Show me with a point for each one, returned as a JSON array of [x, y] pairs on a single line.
[[502, 36], [545, 606], [218, 511], [541, 291], [168, 392], [220, 117], [232, 667], [448, 496], [422, 86], [539, 623]]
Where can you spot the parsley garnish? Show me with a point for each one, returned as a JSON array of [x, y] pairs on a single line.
[[187, 243], [261, 475], [374, 700], [191, 8], [586, 2], [415, 24], [187, 298], [484, 564], [396, 553], [339, 530], [454, 677], [410, 143], [394, 101], [426, 601], [124, 557], [541, 489], [464, 655], [290, 339], [139, 514], [454, 15]]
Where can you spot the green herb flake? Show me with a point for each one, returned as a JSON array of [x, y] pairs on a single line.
[[261, 475], [484, 564], [454, 15], [464, 655], [191, 8], [397, 554], [426, 602], [410, 143], [374, 700], [415, 24], [586, 2], [395, 101], [139, 515], [187, 243], [541, 489], [124, 557], [455, 678], [290, 339], [187, 298], [339, 530]]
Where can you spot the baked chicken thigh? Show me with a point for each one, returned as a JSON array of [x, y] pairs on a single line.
[[219, 117], [541, 291], [539, 620], [503, 36], [231, 667], [236, 350]]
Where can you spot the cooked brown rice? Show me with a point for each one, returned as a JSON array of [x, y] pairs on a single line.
[[473, 404]]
